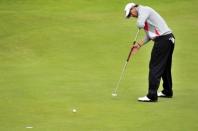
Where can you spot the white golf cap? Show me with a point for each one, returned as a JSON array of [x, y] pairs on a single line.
[[128, 8]]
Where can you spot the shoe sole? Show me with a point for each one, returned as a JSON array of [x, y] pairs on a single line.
[[147, 101], [165, 96]]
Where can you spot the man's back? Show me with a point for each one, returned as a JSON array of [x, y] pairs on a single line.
[[152, 22]]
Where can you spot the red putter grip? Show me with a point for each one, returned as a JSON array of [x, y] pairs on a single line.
[[130, 52]]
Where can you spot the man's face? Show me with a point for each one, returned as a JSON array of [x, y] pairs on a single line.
[[133, 12]]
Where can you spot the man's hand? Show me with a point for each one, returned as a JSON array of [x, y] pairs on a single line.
[[137, 46]]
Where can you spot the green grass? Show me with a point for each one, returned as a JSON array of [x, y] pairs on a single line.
[[56, 55]]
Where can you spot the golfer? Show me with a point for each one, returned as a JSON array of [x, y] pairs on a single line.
[[158, 31]]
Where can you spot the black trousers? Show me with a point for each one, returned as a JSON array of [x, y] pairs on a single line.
[[160, 66]]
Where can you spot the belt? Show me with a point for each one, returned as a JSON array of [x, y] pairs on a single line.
[[163, 37]]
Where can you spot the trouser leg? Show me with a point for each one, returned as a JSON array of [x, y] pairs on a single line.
[[167, 76], [158, 62]]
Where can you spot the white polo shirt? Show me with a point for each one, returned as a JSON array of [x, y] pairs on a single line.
[[153, 24]]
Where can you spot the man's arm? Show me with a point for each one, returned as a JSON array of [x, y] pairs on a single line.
[[143, 14], [139, 44], [146, 39], [142, 42]]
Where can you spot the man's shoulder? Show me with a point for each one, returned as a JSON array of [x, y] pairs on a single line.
[[145, 7]]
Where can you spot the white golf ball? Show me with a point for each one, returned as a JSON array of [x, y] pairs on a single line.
[[114, 94], [74, 110]]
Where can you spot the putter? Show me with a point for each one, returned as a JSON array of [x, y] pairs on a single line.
[[114, 93]]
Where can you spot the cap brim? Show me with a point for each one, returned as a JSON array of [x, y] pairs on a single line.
[[127, 17], [127, 13]]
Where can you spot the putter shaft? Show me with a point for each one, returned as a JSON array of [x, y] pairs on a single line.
[[121, 76], [125, 65]]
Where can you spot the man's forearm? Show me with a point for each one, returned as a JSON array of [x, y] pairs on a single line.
[[140, 43], [146, 39]]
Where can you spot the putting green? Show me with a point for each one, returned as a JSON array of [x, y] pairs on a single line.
[[61, 59]]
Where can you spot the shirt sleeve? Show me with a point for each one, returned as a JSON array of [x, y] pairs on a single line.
[[146, 39], [143, 14]]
